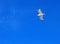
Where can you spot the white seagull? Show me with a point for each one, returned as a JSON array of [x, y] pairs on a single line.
[[40, 14]]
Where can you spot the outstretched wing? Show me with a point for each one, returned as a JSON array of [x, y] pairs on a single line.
[[39, 11]]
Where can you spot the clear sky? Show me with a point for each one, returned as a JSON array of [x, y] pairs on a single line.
[[19, 23]]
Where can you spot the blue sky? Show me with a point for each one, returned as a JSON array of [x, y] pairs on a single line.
[[19, 23]]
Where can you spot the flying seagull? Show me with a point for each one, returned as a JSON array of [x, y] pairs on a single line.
[[40, 14]]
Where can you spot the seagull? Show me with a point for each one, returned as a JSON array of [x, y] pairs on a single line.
[[40, 14]]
